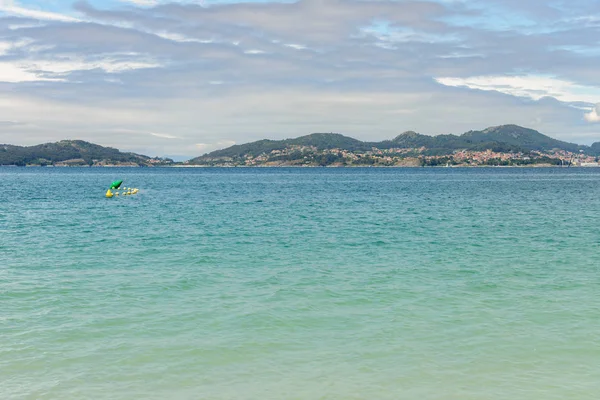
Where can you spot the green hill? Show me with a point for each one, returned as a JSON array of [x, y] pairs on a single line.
[[514, 135], [68, 152], [325, 141], [504, 138], [413, 140], [322, 141]]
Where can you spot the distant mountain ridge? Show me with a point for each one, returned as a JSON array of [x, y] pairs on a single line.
[[500, 139], [70, 152], [503, 138]]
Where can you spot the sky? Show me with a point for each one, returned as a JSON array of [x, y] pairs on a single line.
[[181, 78]]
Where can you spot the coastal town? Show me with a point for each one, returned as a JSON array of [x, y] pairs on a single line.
[[501, 146], [297, 155]]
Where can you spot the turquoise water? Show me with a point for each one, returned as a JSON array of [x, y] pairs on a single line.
[[300, 284]]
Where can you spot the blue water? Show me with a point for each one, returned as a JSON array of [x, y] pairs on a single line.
[[300, 284]]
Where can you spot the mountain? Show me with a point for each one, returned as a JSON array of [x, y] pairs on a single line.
[[314, 149], [504, 138], [413, 139], [71, 152], [438, 143], [515, 135], [322, 141]]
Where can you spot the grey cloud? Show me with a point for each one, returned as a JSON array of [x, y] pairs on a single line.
[[345, 80], [5, 124], [317, 21], [197, 22]]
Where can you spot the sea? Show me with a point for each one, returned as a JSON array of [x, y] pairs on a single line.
[[300, 283]]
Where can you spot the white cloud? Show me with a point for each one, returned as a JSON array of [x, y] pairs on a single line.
[[10, 123], [253, 51], [164, 135], [12, 73], [177, 37], [4, 47], [146, 3], [460, 55], [296, 46], [594, 115], [108, 65], [14, 27], [389, 37], [38, 70], [11, 8], [141, 132], [529, 86]]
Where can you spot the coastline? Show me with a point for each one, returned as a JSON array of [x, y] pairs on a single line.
[[302, 166]]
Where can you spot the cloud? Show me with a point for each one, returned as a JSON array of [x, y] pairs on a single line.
[[594, 115], [108, 64], [141, 2], [247, 71], [56, 70], [177, 37], [5, 47], [10, 123], [530, 86], [11, 8], [164, 135], [317, 20], [15, 73]]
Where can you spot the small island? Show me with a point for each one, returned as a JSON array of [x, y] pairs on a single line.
[[75, 153]]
